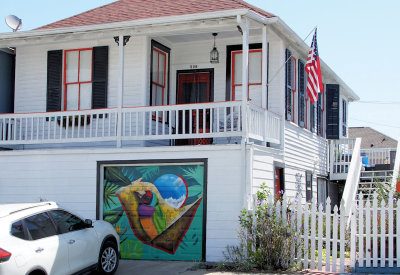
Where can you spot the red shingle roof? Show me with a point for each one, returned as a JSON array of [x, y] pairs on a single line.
[[129, 10]]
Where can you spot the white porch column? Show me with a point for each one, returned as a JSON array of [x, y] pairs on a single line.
[[120, 89], [245, 25], [264, 67]]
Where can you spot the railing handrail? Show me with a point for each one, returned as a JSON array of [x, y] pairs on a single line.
[[224, 119]]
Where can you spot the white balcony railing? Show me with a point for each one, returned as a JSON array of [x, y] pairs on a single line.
[[189, 121]]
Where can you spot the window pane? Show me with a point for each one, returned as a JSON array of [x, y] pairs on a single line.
[[85, 70], [86, 96], [40, 226], [238, 67], [17, 230], [155, 66], [159, 97], [72, 96], [255, 67], [153, 94], [72, 67], [161, 68], [66, 222]]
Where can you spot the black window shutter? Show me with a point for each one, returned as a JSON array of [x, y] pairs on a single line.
[[288, 85], [302, 87], [332, 111], [54, 80], [100, 77], [319, 114]]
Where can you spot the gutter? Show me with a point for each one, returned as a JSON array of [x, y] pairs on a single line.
[[138, 23]]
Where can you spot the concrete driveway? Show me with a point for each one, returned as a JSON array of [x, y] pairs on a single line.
[[143, 267]]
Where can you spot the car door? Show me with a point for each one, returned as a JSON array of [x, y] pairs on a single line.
[[82, 242], [46, 247]]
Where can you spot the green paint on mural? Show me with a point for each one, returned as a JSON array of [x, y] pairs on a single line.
[[156, 209]]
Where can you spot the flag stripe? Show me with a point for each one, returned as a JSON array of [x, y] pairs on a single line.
[[313, 69]]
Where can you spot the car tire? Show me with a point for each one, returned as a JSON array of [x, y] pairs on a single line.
[[108, 258]]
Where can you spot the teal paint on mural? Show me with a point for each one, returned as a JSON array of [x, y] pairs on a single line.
[[156, 209]]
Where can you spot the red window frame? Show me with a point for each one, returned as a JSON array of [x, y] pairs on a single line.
[[78, 82], [157, 82], [233, 85]]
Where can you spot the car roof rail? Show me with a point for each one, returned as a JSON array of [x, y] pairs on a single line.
[[33, 206]]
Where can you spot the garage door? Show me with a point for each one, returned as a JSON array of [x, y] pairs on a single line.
[[157, 208]]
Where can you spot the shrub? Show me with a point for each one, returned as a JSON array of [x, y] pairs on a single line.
[[266, 239]]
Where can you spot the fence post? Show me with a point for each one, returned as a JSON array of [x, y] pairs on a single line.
[[375, 229], [306, 235], [335, 238], [320, 233], [313, 216], [343, 223], [328, 234], [391, 235]]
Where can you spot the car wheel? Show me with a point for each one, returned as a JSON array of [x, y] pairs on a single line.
[[108, 259]]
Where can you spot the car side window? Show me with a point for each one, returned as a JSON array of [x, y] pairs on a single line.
[[40, 226], [66, 222], [17, 230]]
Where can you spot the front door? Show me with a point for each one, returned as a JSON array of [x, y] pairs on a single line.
[[194, 86]]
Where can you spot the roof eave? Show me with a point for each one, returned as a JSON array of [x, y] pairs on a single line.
[[137, 23]]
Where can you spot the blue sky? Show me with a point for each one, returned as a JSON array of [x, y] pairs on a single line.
[[358, 39]]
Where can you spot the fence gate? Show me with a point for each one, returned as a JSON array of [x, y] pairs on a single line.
[[375, 236]]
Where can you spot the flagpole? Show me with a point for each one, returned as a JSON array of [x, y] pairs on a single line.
[[283, 65]]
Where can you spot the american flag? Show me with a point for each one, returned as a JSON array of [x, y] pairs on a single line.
[[313, 68]]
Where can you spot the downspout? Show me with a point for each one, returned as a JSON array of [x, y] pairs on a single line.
[[244, 25]]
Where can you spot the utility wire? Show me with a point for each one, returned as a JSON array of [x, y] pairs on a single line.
[[379, 124], [378, 102]]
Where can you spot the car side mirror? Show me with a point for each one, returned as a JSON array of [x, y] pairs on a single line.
[[88, 223]]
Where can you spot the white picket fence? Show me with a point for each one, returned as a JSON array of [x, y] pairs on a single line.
[[375, 233], [325, 241]]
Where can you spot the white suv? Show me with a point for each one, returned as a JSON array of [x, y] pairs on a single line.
[[41, 238]]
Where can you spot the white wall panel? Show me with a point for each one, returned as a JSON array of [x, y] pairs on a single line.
[[69, 178]]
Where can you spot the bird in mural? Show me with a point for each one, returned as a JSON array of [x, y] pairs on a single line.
[[151, 216]]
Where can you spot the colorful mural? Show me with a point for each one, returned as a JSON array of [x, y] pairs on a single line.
[[156, 209]]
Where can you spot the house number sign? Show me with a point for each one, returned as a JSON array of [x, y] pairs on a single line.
[[193, 66]]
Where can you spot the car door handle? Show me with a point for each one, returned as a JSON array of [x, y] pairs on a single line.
[[39, 249], [71, 241]]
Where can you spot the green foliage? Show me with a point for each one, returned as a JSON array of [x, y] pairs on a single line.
[[149, 173], [266, 240], [113, 216], [109, 193], [195, 173], [131, 249], [115, 176]]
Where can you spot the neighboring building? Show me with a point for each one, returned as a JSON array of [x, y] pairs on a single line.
[[127, 93], [383, 146]]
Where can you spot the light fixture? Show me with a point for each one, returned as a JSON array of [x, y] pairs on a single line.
[[214, 54]]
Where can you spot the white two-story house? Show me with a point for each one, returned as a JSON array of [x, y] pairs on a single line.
[[164, 118]]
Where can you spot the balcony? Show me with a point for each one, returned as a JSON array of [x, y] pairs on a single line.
[[212, 121]]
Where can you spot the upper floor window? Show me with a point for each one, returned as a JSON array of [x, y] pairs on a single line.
[[78, 79], [302, 91], [255, 75], [290, 87], [158, 77], [344, 118]]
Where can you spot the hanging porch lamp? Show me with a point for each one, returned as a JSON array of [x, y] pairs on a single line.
[[214, 54]]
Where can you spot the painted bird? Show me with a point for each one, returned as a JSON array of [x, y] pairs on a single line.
[[151, 216]]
